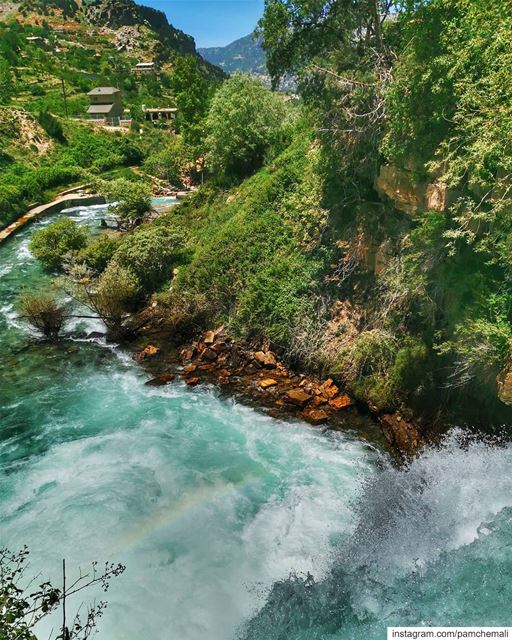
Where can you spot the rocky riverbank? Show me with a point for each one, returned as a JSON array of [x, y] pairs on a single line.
[[255, 375]]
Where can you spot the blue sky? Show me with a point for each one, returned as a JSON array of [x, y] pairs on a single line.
[[213, 23]]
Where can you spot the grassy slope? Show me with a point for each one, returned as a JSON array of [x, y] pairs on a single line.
[[254, 251]]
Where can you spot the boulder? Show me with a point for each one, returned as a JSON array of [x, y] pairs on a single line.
[[402, 434], [151, 350], [329, 389], [318, 401], [187, 354], [340, 402], [209, 366], [161, 380], [209, 355], [297, 397], [224, 373], [192, 382], [209, 337], [190, 368], [315, 416], [267, 382], [265, 359]]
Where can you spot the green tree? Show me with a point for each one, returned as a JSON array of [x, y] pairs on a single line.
[[192, 93], [60, 239], [171, 163], [130, 200], [244, 121], [150, 253]]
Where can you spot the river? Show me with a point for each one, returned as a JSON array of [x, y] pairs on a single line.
[[220, 512]]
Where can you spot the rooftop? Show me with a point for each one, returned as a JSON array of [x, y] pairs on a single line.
[[100, 108], [104, 91], [161, 110]]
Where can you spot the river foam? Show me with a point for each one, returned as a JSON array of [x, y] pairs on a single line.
[[233, 524]]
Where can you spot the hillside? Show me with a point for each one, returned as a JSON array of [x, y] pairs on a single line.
[[52, 53], [245, 55]]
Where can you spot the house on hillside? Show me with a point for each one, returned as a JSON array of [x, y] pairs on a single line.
[[160, 114], [106, 104], [144, 67]]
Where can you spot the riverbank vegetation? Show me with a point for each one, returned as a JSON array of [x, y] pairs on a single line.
[[363, 232]]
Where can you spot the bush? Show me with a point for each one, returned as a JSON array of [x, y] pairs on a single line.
[[244, 120], [150, 252], [44, 312], [171, 163], [99, 251], [130, 200], [116, 291], [55, 242], [186, 313], [112, 296]]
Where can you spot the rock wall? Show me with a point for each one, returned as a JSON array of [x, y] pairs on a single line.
[[409, 195]]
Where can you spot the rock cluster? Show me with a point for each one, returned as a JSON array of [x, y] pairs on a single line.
[[216, 358], [256, 376]]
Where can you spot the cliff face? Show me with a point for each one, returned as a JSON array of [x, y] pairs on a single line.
[[120, 13]]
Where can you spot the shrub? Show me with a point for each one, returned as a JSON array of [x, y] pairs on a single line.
[[186, 313], [150, 252], [170, 163], [43, 311], [130, 200], [99, 251], [111, 296], [53, 243], [116, 292]]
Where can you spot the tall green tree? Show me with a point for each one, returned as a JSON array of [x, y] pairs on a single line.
[[192, 93], [244, 121]]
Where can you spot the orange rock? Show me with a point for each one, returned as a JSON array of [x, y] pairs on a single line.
[[167, 377], [206, 367], [329, 389], [223, 373], [267, 360], [192, 381], [316, 416], [267, 382], [151, 350], [340, 402], [190, 368], [187, 354], [297, 397], [318, 401], [209, 337]]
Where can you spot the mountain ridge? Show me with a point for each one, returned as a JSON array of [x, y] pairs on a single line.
[[245, 55]]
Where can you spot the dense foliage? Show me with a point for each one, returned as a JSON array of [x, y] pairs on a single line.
[[57, 241], [427, 91], [244, 122]]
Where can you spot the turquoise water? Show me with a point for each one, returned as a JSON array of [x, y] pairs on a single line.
[[220, 512]]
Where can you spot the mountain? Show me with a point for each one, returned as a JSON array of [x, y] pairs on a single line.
[[134, 28], [245, 55]]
